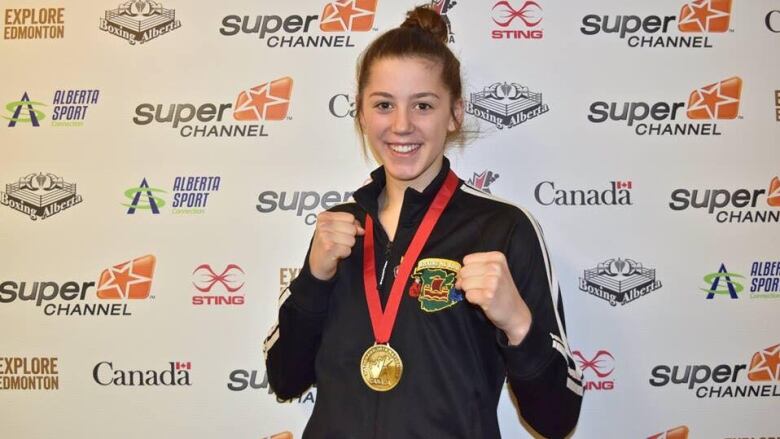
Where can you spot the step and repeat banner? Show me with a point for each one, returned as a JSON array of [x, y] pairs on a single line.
[[162, 165]]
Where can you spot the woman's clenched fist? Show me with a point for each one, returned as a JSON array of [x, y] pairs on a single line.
[[486, 281], [334, 236]]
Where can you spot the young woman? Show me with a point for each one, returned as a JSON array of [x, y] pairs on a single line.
[[416, 301]]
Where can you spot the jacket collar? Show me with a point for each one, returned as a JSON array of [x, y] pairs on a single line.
[[415, 203]]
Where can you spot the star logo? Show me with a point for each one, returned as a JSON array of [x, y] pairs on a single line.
[[773, 199], [348, 15], [675, 433], [765, 365], [602, 364], [269, 101], [716, 101], [705, 16], [128, 280]]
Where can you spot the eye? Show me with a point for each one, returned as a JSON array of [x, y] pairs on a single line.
[[424, 106], [383, 106]]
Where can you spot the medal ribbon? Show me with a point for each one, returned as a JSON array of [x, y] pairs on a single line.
[[383, 322]]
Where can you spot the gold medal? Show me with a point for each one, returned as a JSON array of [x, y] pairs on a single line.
[[381, 367]]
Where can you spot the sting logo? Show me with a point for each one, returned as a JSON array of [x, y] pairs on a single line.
[[504, 14], [602, 364], [211, 278], [205, 279]]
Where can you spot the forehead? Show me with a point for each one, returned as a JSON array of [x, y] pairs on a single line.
[[404, 75]]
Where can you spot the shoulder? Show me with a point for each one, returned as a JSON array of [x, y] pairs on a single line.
[[479, 203]]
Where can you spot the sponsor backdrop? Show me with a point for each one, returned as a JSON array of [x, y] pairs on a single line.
[[163, 164]]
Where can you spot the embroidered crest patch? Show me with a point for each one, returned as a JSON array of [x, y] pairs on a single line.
[[434, 284]]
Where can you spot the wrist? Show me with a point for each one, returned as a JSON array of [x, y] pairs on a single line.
[[323, 276], [317, 273], [520, 325]]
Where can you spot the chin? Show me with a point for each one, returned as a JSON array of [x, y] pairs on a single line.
[[403, 173]]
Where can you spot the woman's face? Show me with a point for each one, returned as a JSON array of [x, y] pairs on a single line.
[[406, 115]]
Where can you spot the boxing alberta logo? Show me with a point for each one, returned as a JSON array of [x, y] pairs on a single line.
[[434, 284]]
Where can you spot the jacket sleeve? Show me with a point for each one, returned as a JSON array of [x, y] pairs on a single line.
[[292, 344], [544, 377]]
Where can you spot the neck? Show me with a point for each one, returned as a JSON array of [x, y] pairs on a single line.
[[393, 194]]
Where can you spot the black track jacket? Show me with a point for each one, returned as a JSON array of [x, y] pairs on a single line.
[[455, 360]]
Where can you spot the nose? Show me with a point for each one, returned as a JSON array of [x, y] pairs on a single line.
[[402, 123]]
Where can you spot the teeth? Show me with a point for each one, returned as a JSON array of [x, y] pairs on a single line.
[[404, 148]]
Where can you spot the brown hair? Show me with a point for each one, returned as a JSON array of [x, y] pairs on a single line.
[[424, 34]]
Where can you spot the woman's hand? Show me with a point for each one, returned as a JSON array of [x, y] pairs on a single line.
[[487, 283], [334, 237]]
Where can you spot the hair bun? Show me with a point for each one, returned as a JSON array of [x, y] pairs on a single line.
[[427, 20]]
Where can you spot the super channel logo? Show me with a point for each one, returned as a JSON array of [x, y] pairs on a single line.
[[240, 380], [117, 286], [700, 116], [742, 205], [269, 101], [334, 27], [693, 28], [756, 379], [302, 204]]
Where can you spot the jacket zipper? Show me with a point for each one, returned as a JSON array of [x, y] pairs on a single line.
[[388, 249]]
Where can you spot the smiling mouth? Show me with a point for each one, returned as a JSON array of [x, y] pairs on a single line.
[[404, 148]]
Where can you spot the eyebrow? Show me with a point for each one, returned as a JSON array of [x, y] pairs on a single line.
[[424, 94]]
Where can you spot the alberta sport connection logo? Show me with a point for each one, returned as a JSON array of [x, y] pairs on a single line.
[[68, 108], [725, 380], [741, 205], [517, 20], [33, 23], [338, 20], [718, 101], [764, 281], [139, 21], [266, 102], [40, 195], [506, 105], [117, 285], [695, 23], [619, 281], [190, 196]]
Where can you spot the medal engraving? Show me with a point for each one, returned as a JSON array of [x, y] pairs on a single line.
[[381, 367]]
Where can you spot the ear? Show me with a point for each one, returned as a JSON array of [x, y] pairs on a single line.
[[456, 116]]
